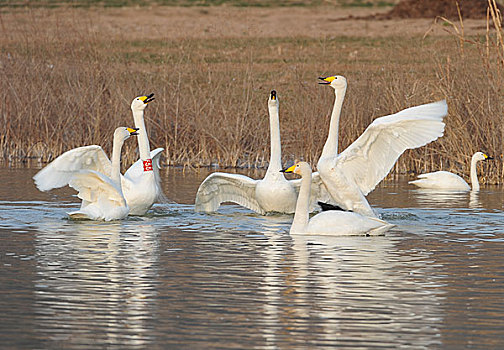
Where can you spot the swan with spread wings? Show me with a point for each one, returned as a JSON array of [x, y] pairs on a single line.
[[273, 193], [350, 175], [141, 183]]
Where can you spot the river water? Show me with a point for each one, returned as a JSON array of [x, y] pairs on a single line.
[[176, 279]]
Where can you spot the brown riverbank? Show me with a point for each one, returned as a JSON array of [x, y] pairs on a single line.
[[69, 75]]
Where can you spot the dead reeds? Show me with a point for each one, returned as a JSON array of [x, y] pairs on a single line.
[[63, 91]]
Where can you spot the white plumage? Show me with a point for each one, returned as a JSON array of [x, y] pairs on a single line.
[[141, 184], [102, 196], [446, 181], [334, 222], [351, 175], [274, 193]]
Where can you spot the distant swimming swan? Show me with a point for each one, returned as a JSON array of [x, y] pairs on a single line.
[[141, 182], [352, 174], [334, 223], [444, 180]]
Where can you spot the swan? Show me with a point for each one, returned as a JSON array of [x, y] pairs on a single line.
[[273, 193], [444, 180], [102, 196], [334, 223], [140, 184], [352, 174]]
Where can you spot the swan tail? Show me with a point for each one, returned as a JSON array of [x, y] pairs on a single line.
[[381, 229], [77, 215]]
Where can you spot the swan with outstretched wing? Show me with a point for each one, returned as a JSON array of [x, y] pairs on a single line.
[[101, 194], [141, 183], [273, 193], [352, 174]]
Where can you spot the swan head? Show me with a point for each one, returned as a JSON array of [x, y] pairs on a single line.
[[481, 156], [140, 102], [123, 133], [337, 82], [273, 100], [299, 168]]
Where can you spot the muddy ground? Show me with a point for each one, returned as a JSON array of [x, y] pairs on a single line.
[[217, 22]]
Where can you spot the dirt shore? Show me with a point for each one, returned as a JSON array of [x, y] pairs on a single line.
[[216, 22]]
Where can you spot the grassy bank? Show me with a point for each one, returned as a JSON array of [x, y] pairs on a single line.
[[64, 84]]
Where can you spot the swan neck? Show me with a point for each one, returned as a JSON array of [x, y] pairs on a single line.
[[275, 163], [143, 140], [474, 175], [115, 174], [331, 146], [301, 215]]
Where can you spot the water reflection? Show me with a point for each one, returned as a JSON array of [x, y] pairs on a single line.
[[180, 279], [474, 200], [446, 199], [100, 278], [354, 284], [332, 290]]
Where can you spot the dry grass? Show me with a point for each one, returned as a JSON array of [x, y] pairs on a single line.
[[64, 84]]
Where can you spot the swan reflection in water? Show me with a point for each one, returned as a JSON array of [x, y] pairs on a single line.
[[426, 197], [96, 282], [342, 285]]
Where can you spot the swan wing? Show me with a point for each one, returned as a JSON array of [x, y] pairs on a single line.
[[94, 187], [156, 165], [318, 191], [371, 157], [136, 169], [60, 171], [222, 187]]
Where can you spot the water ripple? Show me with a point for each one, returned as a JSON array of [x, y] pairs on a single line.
[[233, 279]]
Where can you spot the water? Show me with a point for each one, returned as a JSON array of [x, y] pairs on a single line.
[[183, 280]]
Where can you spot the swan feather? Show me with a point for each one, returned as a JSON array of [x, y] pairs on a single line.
[[223, 187], [92, 185], [60, 171], [441, 180], [345, 224], [135, 171], [371, 157]]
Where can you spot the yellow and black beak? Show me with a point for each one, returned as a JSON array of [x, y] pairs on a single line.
[[289, 169], [133, 131], [273, 95], [148, 98], [487, 157], [327, 80]]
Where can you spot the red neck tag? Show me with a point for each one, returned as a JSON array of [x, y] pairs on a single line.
[[147, 165]]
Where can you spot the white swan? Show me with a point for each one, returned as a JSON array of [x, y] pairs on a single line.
[[351, 175], [444, 180], [274, 193], [102, 196], [140, 184], [334, 223]]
